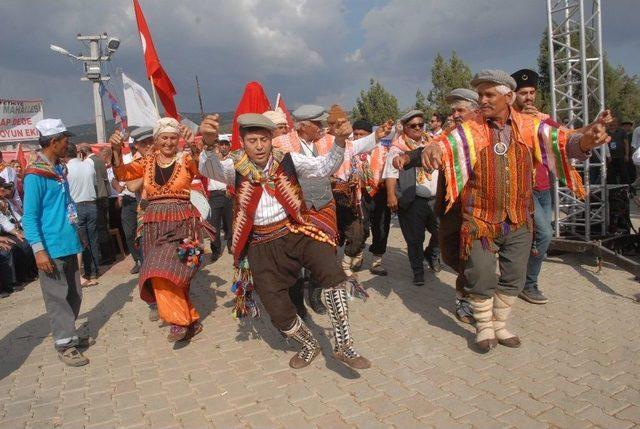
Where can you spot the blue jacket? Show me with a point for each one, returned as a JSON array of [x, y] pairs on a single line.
[[46, 220]]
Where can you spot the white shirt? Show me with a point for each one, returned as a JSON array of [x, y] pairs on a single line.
[[425, 188], [216, 185], [82, 180], [269, 210]]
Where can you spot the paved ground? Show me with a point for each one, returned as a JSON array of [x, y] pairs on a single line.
[[578, 366]]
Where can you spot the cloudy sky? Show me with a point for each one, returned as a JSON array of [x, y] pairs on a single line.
[[312, 51]]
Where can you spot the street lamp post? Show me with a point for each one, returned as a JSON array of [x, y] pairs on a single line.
[[93, 71]]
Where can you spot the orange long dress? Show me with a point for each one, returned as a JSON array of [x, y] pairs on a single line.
[[168, 220]]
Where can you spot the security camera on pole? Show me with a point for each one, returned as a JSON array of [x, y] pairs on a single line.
[[93, 70]]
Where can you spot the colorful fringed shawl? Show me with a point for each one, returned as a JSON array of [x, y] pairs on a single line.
[[507, 205], [462, 146], [40, 167]]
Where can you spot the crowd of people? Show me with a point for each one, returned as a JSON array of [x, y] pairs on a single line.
[[476, 178]]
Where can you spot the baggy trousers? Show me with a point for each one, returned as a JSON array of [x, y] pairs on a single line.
[[513, 253], [275, 267], [62, 298]]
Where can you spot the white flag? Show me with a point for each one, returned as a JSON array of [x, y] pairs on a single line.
[[140, 109]]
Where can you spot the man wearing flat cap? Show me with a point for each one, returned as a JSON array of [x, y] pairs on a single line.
[[376, 213], [311, 140], [489, 162], [412, 193], [464, 105], [273, 236]]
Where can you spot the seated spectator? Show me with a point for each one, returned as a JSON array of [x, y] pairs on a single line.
[[7, 274]]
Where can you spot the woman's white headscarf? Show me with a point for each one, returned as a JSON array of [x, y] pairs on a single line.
[[166, 125]]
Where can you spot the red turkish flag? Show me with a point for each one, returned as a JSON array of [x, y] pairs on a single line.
[[254, 100], [155, 72], [283, 107]]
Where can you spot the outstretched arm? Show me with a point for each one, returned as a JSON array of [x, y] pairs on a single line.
[[310, 167]]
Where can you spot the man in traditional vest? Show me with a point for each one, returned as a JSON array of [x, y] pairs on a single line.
[[311, 140], [489, 162], [412, 193], [273, 235]]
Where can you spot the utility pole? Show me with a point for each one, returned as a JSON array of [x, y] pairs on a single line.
[[93, 71]]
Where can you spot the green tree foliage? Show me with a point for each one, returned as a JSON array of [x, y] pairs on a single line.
[[445, 77], [421, 101], [376, 104]]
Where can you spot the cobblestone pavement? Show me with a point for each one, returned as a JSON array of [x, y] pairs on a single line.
[[578, 366]]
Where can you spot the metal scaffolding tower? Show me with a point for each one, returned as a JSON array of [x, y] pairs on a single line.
[[577, 96]]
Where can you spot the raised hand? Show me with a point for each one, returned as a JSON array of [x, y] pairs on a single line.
[[605, 117], [187, 135], [432, 157], [341, 130], [384, 130], [400, 161], [209, 129], [117, 140], [596, 135]]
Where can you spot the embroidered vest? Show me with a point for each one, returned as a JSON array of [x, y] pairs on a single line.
[[287, 192]]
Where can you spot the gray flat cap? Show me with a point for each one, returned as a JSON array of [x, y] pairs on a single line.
[[141, 133], [310, 112], [499, 77], [463, 94], [255, 120], [410, 115]]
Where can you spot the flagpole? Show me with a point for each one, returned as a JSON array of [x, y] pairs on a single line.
[[277, 102], [199, 98], [155, 101]]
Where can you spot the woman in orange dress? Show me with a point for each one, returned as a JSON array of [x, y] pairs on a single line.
[[171, 226]]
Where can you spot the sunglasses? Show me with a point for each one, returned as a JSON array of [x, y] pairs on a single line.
[[416, 126]]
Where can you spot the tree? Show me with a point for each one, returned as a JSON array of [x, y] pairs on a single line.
[[376, 105], [445, 77], [421, 101]]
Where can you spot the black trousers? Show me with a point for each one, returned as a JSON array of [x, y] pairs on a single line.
[[350, 230], [221, 218], [275, 266], [376, 218], [414, 220], [102, 226], [129, 218]]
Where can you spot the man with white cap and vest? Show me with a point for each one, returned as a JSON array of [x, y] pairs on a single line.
[[311, 139], [412, 193], [273, 236], [49, 222], [489, 162]]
